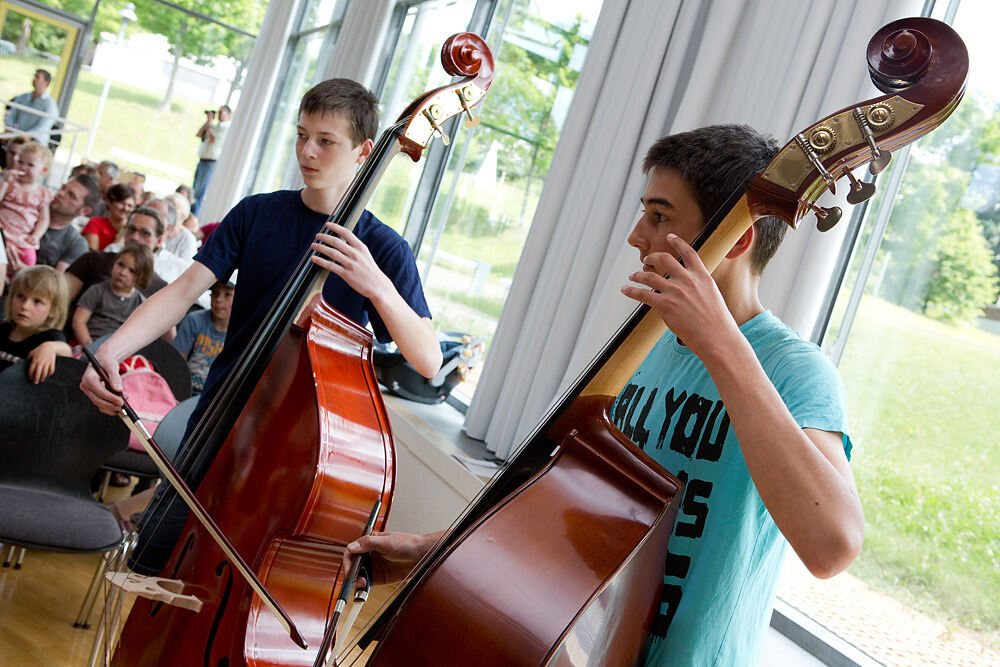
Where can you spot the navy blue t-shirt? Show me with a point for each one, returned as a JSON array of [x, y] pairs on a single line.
[[265, 237]]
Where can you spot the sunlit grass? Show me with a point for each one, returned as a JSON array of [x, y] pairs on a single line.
[[923, 399], [129, 121]]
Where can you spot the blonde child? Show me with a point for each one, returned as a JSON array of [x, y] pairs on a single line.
[[105, 306], [34, 315], [24, 204]]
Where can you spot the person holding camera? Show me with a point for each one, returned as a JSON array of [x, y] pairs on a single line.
[[212, 136]]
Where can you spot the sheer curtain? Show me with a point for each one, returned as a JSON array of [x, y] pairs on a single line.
[[654, 68], [229, 178]]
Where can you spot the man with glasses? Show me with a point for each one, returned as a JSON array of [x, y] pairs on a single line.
[[150, 229]]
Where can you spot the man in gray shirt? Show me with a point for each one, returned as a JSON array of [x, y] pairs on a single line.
[[62, 243], [39, 99]]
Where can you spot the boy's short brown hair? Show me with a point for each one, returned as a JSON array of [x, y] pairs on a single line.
[[717, 161], [46, 281], [344, 96]]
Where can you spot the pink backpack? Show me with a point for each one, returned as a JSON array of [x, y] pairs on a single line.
[[147, 392]]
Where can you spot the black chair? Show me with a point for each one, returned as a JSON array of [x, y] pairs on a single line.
[[54, 442], [169, 363]]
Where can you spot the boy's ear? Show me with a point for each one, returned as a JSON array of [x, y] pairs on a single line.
[[743, 244], [366, 149]]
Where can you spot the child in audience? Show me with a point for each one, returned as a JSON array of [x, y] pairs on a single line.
[[102, 231], [201, 334], [24, 204], [105, 306], [34, 315]]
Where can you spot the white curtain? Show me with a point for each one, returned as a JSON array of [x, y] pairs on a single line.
[[230, 175], [654, 68], [359, 43]]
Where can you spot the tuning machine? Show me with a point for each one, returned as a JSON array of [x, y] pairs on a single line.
[[826, 216], [464, 95], [817, 164], [861, 191], [882, 114], [433, 114]]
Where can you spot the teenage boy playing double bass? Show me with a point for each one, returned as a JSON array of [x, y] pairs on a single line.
[[771, 467], [373, 273]]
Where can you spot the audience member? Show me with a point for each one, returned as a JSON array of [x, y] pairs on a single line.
[[62, 243], [24, 204], [180, 240], [101, 231], [212, 136], [191, 222], [105, 306], [107, 175], [95, 266], [136, 181], [85, 168], [148, 227], [36, 125], [201, 333], [12, 148], [34, 315], [107, 172]]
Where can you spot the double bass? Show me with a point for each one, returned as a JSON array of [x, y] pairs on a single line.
[[304, 451], [560, 560]]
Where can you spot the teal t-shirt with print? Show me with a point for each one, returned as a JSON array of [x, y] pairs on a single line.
[[726, 552]]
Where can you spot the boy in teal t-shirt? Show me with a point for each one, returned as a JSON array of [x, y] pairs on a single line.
[[751, 417], [746, 413]]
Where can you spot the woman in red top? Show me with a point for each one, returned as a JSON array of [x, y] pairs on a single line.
[[101, 231]]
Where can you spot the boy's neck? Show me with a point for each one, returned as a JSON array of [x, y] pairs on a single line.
[[220, 324], [322, 201]]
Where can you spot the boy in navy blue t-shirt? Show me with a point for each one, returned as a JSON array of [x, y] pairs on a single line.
[[373, 275]]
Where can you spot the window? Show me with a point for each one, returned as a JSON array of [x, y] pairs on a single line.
[[309, 49], [468, 218], [920, 357]]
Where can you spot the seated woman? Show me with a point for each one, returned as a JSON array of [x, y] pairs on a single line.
[[101, 231]]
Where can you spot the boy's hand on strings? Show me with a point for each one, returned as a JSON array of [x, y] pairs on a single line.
[[344, 254], [689, 301]]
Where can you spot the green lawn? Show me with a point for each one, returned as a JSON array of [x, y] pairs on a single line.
[[923, 401], [129, 121]]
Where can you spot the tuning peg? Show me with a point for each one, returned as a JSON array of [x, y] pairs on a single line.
[[470, 121], [430, 114], [826, 217], [880, 157], [860, 191], [880, 160], [817, 164]]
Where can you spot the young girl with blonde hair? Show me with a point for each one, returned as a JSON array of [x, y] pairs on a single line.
[[34, 315]]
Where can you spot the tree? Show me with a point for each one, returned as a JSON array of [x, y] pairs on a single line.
[[196, 39], [964, 278], [933, 224]]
